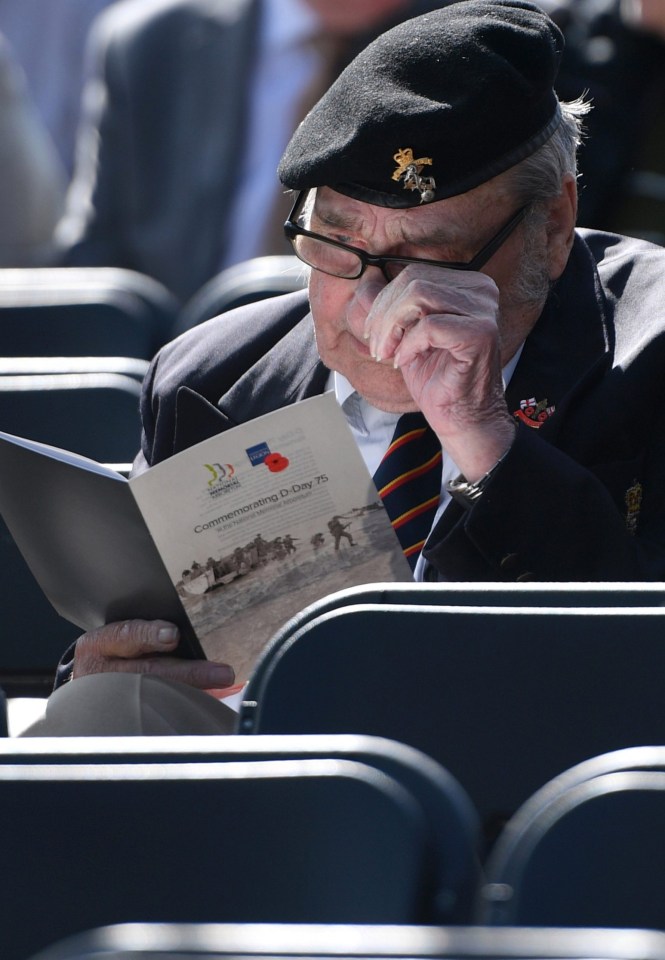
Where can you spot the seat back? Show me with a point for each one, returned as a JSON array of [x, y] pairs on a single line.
[[4, 728], [321, 841], [452, 823], [287, 942], [94, 414], [243, 283], [83, 311], [593, 855], [504, 698], [488, 594], [32, 365], [33, 636]]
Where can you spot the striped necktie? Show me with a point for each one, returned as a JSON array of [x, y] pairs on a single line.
[[409, 482]]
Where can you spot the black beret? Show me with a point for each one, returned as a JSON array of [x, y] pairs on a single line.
[[434, 107]]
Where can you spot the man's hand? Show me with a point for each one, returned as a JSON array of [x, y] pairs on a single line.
[[143, 646], [440, 329]]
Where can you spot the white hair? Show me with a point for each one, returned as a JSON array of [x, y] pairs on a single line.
[[536, 181]]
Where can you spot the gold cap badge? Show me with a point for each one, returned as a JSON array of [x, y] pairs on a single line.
[[409, 170]]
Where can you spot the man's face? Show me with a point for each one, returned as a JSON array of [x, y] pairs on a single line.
[[347, 17], [454, 230]]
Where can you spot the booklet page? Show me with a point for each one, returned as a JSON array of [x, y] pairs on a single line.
[[264, 519]]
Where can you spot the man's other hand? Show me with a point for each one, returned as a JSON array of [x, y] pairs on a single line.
[[145, 646]]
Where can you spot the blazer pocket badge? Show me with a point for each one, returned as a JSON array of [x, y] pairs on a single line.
[[633, 500]]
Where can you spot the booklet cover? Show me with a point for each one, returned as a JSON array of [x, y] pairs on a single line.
[[229, 539]]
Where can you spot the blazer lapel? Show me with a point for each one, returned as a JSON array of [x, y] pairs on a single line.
[[290, 371], [568, 350]]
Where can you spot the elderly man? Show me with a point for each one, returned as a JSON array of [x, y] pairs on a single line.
[[436, 208]]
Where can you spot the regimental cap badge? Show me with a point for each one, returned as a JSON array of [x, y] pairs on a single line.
[[409, 170]]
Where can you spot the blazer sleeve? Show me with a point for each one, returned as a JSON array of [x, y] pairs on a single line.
[[546, 517]]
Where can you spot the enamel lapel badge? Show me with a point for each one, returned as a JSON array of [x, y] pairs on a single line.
[[534, 412]]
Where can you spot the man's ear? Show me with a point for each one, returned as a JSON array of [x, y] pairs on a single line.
[[561, 227]]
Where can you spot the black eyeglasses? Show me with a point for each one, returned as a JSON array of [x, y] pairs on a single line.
[[339, 260]]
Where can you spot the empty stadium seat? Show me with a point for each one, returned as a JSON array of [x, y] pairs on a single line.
[[312, 840], [590, 853], [93, 414], [83, 311], [503, 697], [452, 821], [31, 365], [243, 283]]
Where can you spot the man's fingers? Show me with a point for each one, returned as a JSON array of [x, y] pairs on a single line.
[[463, 338], [422, 292], [142, 646], [131, 638], [203, 674]]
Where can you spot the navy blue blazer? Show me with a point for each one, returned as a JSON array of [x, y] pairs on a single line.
[[581, 494]]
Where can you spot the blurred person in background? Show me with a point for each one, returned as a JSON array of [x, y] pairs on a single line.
[[187, 112], [615, 53], [48, 39], [32, 178]]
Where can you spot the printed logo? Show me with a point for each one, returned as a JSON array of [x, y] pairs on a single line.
[[260, 454], [222, 479], [219, 471], [275, 462]]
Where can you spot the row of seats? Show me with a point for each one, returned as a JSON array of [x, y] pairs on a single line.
[[306, 829], [100, 311], [75, 344], [504, 685]]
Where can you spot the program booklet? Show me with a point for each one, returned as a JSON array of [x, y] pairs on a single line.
[[229, 539]]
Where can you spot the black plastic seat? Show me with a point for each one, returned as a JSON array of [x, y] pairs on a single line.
[[31, 365], [280, 841], [504, 697], [88, 311], [452, 821], [94, 414], [33, 636], [591, 853], [243, 283]]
